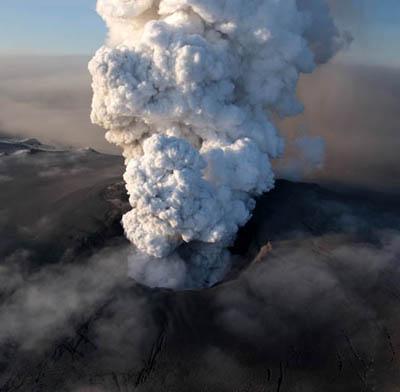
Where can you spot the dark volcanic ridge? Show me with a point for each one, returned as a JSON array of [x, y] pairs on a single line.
[[9, 145], [312, 303]]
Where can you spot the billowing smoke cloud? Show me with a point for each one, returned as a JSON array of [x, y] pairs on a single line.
[[188, 90]]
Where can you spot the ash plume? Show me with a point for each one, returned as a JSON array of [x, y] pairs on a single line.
[[189, 90]]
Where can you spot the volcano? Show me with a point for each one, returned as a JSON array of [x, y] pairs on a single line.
[[311, 302]]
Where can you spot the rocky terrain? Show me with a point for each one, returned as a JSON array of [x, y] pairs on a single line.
[[311, 304]]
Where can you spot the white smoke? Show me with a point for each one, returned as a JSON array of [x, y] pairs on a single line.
[[188, 90]]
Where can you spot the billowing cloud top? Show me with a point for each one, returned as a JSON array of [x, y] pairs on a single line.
[[188, 89]]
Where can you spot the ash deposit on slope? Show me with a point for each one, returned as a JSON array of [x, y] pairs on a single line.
[[188, 89]]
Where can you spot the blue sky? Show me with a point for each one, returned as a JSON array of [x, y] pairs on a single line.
[[49, 27], [73, 27]]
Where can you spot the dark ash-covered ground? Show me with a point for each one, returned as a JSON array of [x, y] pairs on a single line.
[[312, 305]]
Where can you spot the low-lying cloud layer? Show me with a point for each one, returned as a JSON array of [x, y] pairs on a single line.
[[320, 304], [48, 98]]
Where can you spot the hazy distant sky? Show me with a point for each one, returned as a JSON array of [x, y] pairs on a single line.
[[73, 27]]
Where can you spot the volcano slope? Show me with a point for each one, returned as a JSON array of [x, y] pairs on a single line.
[[311, 304]]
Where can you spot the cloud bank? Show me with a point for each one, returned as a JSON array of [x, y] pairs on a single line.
[[48, 98]]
